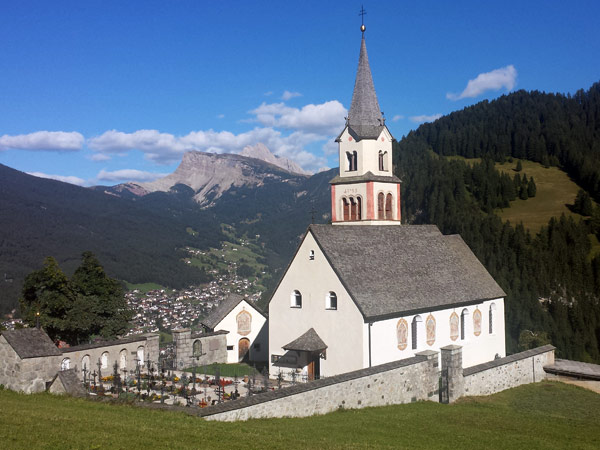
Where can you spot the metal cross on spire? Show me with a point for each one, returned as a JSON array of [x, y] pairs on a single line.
[[362, 19]]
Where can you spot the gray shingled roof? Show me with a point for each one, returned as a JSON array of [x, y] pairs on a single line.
[[364, 109], [31, 343], [224, 308], [389, 269], [369, 176], [308, 342], [70, 382]]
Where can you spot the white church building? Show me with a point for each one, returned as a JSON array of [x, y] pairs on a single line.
[[367, 290]]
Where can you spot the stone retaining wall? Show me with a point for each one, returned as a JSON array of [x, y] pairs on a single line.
[[212, 348], [403, 381], [505, 373]]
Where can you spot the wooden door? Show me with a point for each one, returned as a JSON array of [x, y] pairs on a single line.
[[243, 348]]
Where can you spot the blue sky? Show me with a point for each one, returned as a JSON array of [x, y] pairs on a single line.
[[103, 92]]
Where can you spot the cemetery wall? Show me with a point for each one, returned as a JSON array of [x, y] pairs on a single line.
[[127, 352], [28, 375], [505, 373], [210, 348], [402, 381]]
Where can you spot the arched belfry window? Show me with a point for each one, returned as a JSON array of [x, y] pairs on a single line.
[[388, 207], [358, 208], [381, 162], [352, 161], [385, 162], [296, 299], [331, 300], [346, 208], [380, 205], [352, 208]]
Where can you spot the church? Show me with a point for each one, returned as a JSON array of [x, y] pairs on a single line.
[[366, 290]]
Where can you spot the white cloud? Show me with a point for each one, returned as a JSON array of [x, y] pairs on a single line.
[[100, 157], [326, 118], [289, 95], [425, 118], [65, 179], [505, 77], [305, 126], [268, 93], [221, 116], [54, 141], [128, 175], [330, 147], [397, 117]]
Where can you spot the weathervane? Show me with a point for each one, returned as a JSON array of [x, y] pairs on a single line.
[[362, 19]]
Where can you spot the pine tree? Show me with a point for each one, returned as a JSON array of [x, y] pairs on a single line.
[[531, 188], [519, 166]]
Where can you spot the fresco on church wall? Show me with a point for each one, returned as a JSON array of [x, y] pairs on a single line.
[[477, 322], [430, 329], [244, 323], [402, 334], [454, 326]]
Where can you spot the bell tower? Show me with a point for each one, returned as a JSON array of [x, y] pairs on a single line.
[[365, 191]]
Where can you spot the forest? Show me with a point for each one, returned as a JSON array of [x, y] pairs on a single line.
[[551, 280]]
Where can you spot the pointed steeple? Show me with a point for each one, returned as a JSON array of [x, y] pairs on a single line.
[[364, 117]]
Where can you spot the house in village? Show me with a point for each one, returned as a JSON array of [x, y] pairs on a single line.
[[247, 338], [366, 290]]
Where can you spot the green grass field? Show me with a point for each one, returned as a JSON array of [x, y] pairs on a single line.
[[226, 370], [554, 191], [542, 416]]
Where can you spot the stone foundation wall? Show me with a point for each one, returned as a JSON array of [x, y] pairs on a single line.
[[403, 381], [511, 371], [213, 348], [26, 375]]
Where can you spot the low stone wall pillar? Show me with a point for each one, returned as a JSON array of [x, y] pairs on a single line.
[[452, 366], [183, 347], [430, 376]]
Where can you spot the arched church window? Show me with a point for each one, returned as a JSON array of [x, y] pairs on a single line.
[[476, 322], [65, 364], [358, 208], [388, 207], [415, 325], [492, 316], [381, 164], [352, 208], [197, 348], [346, 208], [380, 202], [331, 300], [463, 324], [402, 334], [140, 355], [104, 360], [296, 299], [123, 359]]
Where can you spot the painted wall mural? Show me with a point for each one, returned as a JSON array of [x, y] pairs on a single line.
[[244, 323], [454, 322], [477, 322], [430, 330], [402, 334]]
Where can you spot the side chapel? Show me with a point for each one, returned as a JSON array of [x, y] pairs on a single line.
[[356, 296]]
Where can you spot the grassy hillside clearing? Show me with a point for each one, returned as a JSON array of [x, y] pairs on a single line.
[[544, 415]]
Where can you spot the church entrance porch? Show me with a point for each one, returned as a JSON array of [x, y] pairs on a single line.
[[304, 354]]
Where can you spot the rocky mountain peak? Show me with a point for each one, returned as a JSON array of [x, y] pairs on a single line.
[[261, 151]]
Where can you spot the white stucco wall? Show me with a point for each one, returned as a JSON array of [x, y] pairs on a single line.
[[476, 349], [255, 336], [340, 329]]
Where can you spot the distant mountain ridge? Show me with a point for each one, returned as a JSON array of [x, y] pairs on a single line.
[[209, 175]]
